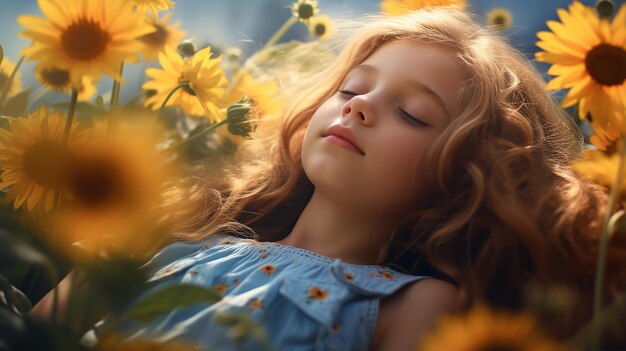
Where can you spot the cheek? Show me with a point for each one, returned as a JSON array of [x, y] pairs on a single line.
[[399, 169]]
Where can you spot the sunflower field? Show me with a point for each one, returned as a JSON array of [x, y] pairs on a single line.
[[105, 103]]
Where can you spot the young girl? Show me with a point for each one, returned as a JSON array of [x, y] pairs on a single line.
[[425, 170]]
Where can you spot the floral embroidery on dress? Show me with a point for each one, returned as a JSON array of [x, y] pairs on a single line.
[[373, 275], [348, 276], [387, 275], [236, 282], [268, 269], [256, 304], [193, 272], [317, 293], [221, 288], [336, 326]]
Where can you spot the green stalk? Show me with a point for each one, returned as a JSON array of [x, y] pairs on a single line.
[[115, 98], [7, 87], [205, 131], [66, 135], [280, 32], [603, 247], [167, 98]]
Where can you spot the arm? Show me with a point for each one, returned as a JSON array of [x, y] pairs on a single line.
[[414, 312], [43, 308]]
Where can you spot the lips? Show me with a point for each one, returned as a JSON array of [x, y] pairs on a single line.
[[343, 136]]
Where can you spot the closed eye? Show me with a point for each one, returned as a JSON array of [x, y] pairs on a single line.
[[347, 94], [413, 120]]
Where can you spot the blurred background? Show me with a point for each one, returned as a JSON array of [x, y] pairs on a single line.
[[248, 24]]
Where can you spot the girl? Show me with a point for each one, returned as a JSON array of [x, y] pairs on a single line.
[[425, 170]]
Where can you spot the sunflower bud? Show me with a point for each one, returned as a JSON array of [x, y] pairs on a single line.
[[186, 48], [237, 116]]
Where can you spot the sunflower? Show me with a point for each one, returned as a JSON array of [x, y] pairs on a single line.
[[500, 18], [588, 57], [303, 10], [34, 160], [321, 27], [116, 189], [88, 37], [164, 35], [59, 79], [400, 7], [263, 93], [483, 329], [206, 81], [153, 6], [6, 68], [599, 167]]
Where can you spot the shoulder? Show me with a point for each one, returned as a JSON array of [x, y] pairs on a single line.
[[406, 316]]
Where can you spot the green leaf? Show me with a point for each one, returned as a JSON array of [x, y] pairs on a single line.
[[170, 298], [16, 106], [1, 54]]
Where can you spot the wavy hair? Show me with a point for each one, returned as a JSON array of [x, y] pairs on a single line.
[[507, 211]]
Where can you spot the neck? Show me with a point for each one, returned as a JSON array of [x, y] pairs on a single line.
[[339, 230]]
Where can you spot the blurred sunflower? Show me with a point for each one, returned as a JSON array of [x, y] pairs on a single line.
[[599, 167], [205, 93], [400, 7], [34, 160], [588, 57], [6, 68], [500, 18], [154, 6], [59, 79], [321, 27], [164, 35], [483, 329], [88, 37], [116, 190], [263, 93], [303, 10]]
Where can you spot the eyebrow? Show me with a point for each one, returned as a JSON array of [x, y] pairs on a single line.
[[418, 86]]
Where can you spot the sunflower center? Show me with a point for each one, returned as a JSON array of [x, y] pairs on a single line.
[[606, 64], [97, 183], [305, 11], [157, 38], [499, 20], [498, 347], [45, 162], [319, 29], [58, 78], [84, 40]]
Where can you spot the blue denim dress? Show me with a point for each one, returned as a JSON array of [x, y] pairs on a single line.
[[300, 299]]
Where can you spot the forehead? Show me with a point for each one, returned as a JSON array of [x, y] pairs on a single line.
[[408, 61]]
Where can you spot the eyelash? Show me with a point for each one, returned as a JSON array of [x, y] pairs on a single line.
[[407, 116]]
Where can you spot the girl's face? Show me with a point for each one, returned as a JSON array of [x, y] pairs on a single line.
[[366, 144]]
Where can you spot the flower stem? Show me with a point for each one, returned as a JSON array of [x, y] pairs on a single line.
[[280, 32], [66, 135], [167, 98], [115, 99], [203, 132], [604, 243], [7, 87]]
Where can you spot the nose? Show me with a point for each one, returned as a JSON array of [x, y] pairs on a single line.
[[359, 107]]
